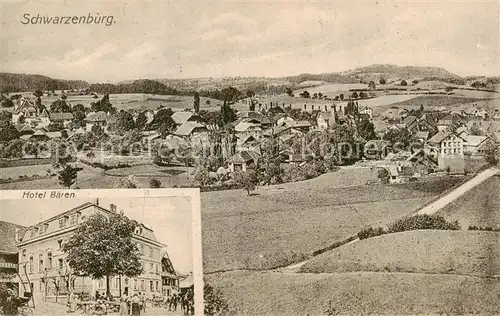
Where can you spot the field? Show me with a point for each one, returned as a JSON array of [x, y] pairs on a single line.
[[474, 253], [139, 100], [91, 178], [478, 207], [333, 89], [357, 293], [284, 224], [15, 172]]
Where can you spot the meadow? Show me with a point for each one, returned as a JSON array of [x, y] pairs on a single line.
[[478, 207], [474, 253], [281, 225], [356, 293]]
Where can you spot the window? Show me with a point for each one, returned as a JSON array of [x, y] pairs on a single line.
[[59, 243], [60, 263], [40, 262], [151, 286], [135, 284], [72, 220], [30, 268], [143, 285], [156, 268], [101, 283], [40, 286], [151, 268], [157, 285], [24, 254], [142, 249], [32, 233], [117, 282], [62, 222], [151, 252], [49, 260]]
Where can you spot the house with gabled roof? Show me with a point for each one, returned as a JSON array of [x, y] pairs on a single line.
[[95, 119], [10, 235], [182, 117], [189, 128], [449, 148], [41, 252], [61, 118], [243, 160]]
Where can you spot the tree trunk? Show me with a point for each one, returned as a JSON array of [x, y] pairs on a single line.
[[107, 286]]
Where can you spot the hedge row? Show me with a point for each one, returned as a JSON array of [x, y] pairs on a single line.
[[414, 222]]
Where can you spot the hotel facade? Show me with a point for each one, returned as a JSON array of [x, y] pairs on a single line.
[[44, 270]]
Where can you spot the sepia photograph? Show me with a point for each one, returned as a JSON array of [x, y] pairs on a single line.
[[100, 252], [346, 155]]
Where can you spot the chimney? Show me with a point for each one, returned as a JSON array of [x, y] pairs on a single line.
[[96, 202], [16, 236], [112, 208]]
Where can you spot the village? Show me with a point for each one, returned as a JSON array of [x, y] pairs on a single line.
[[266, 139]]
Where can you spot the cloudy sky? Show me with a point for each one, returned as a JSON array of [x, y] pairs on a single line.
[[203, 39], [169, 217]]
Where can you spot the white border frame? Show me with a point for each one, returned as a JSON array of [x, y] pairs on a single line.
[[193, 193]]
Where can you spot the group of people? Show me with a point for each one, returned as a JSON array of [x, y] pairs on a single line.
[[185, 301], [132, 305], [10, 303]]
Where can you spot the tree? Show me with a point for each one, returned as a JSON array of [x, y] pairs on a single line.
[[67, 176], [8, 133], [104, 247], [404, 83], [305, 94], [398, 136], [38, 93], [214, 302], [289, 91], [141, 121], [103, 105], [354, 95], [196, 102], [341, 96], [475, 130], [492, 157], [383, 175], [59, 106], [125, 121], [371, 85], [227, 115], [6, 102], [382, 81], [366, 129], [14, 149], [202, 176], [154, 183], [163, 115], [247, 179], [414, 82]]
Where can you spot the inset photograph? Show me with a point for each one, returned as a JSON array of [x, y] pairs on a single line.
[[100, 252]]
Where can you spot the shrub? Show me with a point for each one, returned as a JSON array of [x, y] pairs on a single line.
[[154, 183], [383, 175], [215, 304], [424, 221], [370, 232]]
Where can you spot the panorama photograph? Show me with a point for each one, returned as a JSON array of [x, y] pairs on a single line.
[[347, 154]]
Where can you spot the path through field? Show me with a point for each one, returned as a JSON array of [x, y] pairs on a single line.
[[432, 208], [458, 192]]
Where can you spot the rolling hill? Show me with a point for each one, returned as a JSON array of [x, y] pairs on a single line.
[[10, 82], [394, 72]]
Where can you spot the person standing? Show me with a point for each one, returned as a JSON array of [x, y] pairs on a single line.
[[136, 305], [71, 302], [123, 304], [144, 302]]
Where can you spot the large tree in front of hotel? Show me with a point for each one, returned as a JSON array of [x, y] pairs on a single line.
[[102, 247]]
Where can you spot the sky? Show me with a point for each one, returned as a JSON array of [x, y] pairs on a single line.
[[218, 39], [169, 217]]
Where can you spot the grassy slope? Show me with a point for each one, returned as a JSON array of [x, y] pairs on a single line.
[[357, 293], [284, 224], [478, 207], [454, 252]]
